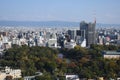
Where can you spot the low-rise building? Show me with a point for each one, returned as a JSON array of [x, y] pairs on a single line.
[[111, 54], [72, 77], [118, 78], [15, 73], [100, 78], [70, 44]]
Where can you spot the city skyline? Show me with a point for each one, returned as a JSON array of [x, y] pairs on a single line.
[[62, 10]]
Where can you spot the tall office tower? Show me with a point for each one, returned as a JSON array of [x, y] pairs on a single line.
[[72, 34], [88, 30]]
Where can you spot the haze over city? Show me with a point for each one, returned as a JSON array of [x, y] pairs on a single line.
[[59, 40], [105, 11]]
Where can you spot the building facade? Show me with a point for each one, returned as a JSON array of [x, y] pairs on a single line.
[[111, 54], [14, 73], [88, 32]]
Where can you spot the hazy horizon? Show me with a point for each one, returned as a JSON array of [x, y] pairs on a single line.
[[105, 11]]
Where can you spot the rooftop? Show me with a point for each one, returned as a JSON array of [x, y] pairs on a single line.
[[111, 52]]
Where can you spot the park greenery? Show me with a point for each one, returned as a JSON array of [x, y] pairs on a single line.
[[86, 62]]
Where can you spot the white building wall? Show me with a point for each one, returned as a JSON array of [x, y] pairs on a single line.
[[2, 76], [15, 73], [72, 77], [111, 56], [83, 44]]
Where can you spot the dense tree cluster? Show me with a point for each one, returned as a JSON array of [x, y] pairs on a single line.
[[87, 63]]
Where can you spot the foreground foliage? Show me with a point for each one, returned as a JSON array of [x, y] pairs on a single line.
[[87, 63]]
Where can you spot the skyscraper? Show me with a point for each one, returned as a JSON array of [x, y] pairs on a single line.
[[89, 32], [72, 34]]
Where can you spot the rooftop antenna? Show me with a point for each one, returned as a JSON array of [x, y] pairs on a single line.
[[94, 15]]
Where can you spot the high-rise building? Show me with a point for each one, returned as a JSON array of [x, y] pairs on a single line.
[[88, 32], [72, 34], [80, 38]]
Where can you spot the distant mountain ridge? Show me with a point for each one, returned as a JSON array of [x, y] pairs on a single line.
[[38, 23], [50, 24]]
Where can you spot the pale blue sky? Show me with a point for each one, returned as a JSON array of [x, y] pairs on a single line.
[[106, 11]]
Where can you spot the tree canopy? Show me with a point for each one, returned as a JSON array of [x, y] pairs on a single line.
[[86, 62]]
